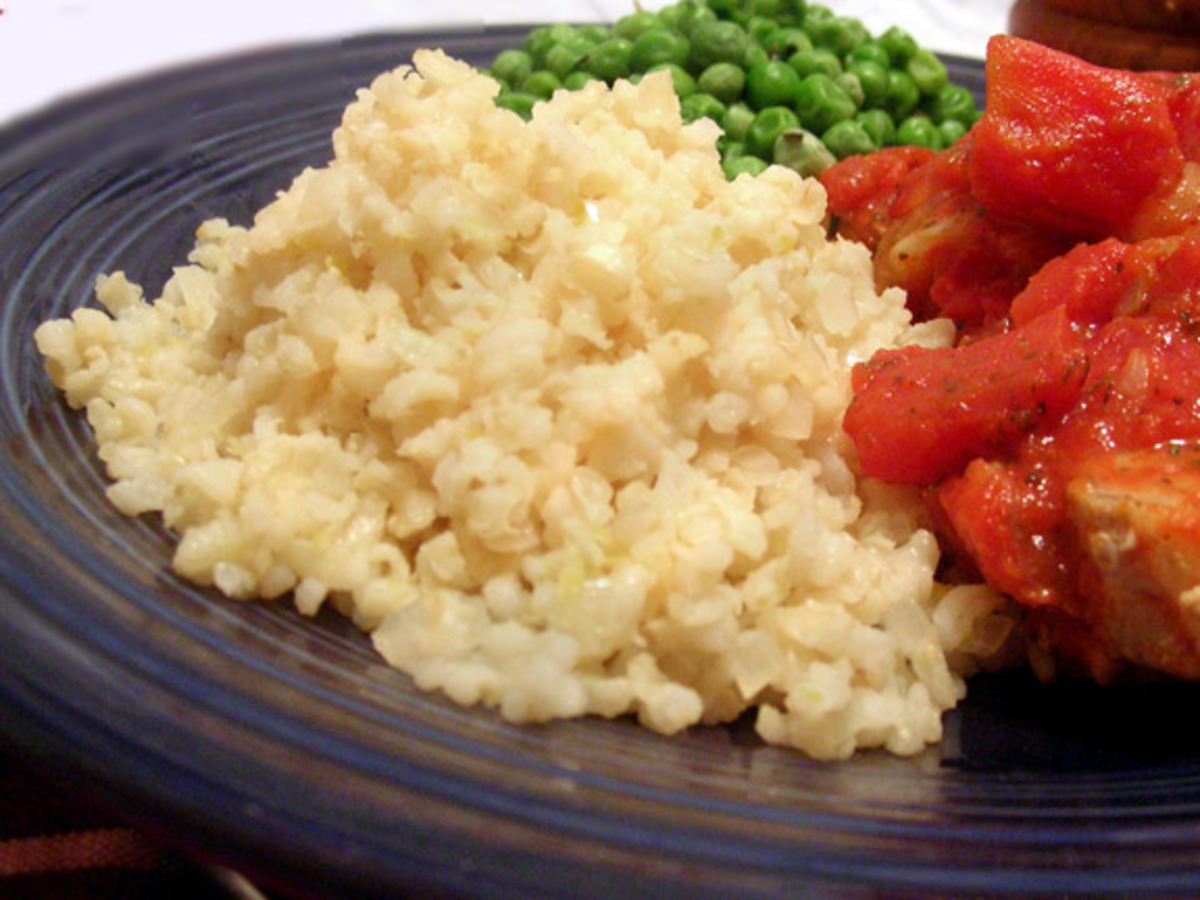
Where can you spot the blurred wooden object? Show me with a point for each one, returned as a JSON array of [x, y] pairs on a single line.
[[1159, 35]]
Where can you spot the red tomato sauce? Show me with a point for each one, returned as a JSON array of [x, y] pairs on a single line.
[[1061, 236]]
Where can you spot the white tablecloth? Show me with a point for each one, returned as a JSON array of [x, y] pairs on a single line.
[[54, 48]]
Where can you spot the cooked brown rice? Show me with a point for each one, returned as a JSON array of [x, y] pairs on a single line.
[[551, 409]]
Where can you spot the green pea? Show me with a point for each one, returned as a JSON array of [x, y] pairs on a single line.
[[683, 17], [849, 83], [761, 29], [717, 41], [809, 62], [816, 12], [635, 24], [730, 149], [872, 78], [595, 34], [742, 165], [756, 55], [927, 72], [564, 33], [841, 34], [684, 83], [610, 59], [541, 84], [537, 42], [951, 131], [899, 44], [879, 125], [848, 138], [729, 9], [701, 15], [578, 79], [512, 67], [766, 9], [803, 152], [870, 51], [723, 80], [902, 95], [773, 83], [766, 128], [919, 131], [659, 46], [821, 103], [520, 103], [736, 121], [563, 59], [669, 16], [953, 102], [701, 106], [789, 12], [783, 42]]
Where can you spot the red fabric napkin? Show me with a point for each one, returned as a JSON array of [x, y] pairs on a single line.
[[56, 844]]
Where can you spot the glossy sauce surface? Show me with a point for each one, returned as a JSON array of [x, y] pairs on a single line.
[[1060, 236]]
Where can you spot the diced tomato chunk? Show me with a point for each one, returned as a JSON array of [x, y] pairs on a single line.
[[1089, 281], [945, 173], [1175, 292], [1185, 113], [861, 189], [1068, 144], [994, 263], [919, 415], [1009, 521], [1140, 391], [1182, 90]]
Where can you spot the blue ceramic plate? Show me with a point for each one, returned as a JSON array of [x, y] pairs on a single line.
[[281, 746]]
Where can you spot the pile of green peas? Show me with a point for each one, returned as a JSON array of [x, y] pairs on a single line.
[[789, 82]]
